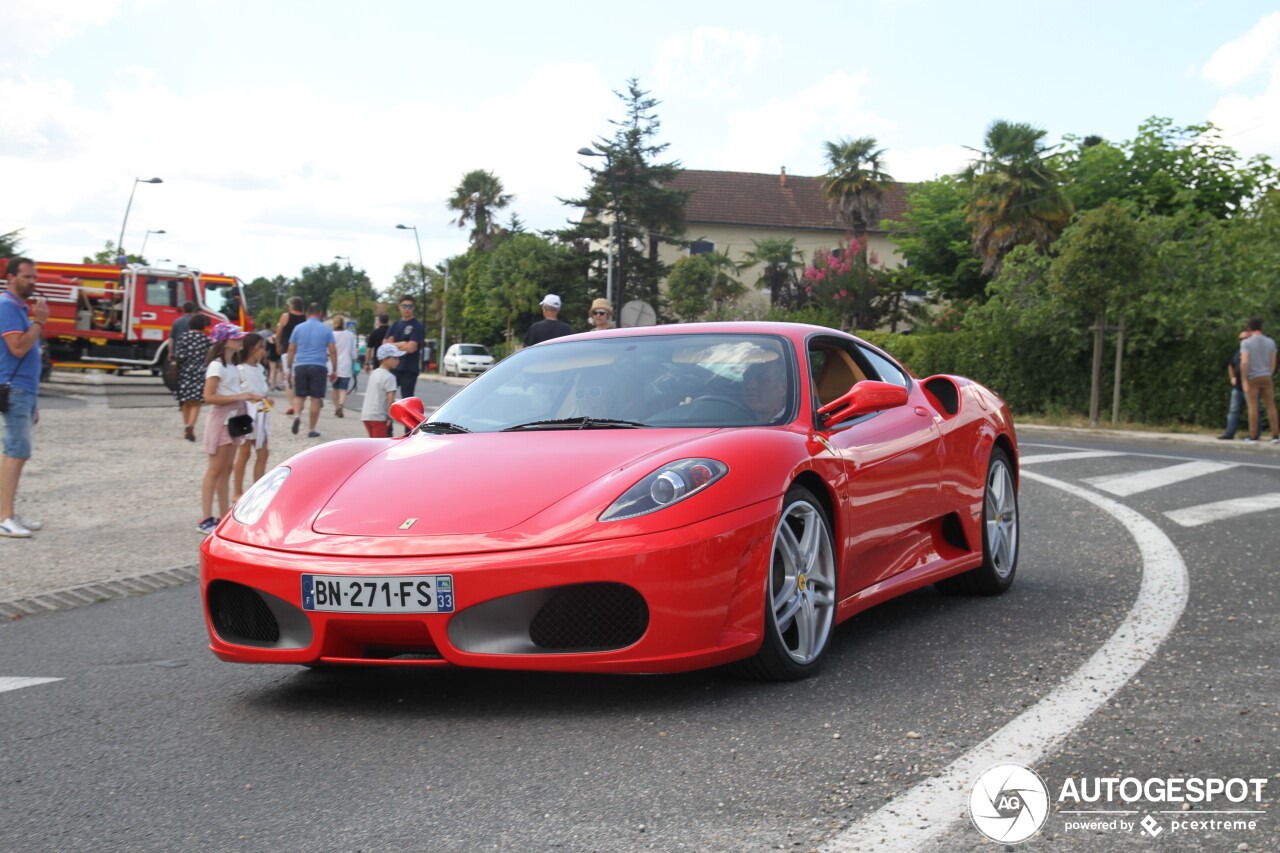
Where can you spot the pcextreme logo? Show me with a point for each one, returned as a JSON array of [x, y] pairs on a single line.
[[1010, 803]]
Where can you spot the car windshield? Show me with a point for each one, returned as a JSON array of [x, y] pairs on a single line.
[[695, 380], [472, 349]]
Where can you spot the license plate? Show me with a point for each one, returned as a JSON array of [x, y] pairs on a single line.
[[400, 594]]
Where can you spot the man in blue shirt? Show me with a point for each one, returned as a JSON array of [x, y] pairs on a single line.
[[19, 382], [311, 350], [408, 334]]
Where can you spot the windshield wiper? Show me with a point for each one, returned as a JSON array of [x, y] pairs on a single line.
[[439, 426], [584, 422]]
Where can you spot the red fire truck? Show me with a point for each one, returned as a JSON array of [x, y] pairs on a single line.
[[118, 317]]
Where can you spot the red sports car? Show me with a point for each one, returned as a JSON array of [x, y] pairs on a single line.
[[637, 500]]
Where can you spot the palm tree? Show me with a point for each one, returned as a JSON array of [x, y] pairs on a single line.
[[1017, 194], [476, 198], [856, 183], [778, 256]]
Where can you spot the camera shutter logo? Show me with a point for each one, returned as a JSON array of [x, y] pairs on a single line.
[[1009, 803]]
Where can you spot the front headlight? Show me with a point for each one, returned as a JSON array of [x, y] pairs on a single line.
[[254, 503], [668, 485]]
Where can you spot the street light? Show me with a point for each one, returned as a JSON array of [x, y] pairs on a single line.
[[354, 288], [613, 192], [444, 300], [143, 252], [120, 243]]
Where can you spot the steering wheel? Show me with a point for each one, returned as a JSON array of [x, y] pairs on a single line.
[[738, 405]]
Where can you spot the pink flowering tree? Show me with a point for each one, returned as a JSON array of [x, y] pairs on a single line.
[[850, 286]]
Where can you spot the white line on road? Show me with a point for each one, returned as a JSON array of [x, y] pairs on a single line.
[[17, 683], [1194, 516], [924, 813], [1068, 457], [1144, 481]]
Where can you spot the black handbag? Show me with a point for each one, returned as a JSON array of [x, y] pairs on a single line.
[[240, 425]]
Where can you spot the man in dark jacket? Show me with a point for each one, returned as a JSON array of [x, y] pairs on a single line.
[[550, 326]]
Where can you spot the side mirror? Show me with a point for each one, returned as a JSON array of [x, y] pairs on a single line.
[[408, 411], [862, 399]]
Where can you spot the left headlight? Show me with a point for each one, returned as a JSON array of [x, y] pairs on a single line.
[[254, 503], [668, 485]]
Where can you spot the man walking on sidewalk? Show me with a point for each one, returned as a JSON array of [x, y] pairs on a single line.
[[1257, 366], [19, 384], [311, 351]]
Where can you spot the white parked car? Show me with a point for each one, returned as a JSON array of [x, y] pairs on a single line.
[[466, 360]]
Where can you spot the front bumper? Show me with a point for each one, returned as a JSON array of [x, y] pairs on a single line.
[[665, 602]]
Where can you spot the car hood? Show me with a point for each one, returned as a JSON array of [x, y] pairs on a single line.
[[473, 484], [480, 492]]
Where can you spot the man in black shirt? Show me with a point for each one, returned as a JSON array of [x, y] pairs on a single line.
[[550, 326]]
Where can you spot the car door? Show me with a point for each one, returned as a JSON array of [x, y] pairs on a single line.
[[157, 304], [891, 465]]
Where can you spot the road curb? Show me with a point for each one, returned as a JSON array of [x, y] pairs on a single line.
[[92, 593], [1172, 437]]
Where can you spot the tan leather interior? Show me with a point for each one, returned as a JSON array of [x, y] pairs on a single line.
[[839, 374]]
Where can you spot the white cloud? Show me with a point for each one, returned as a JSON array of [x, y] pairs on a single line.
[[790, 131], [31, 28], [706, 63], [266, 181], [1251, 124], [925, 164], [1242, 58]]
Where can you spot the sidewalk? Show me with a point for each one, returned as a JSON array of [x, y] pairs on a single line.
[[119, 490]]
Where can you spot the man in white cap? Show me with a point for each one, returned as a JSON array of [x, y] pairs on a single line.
[[381, 392], [550, 326]]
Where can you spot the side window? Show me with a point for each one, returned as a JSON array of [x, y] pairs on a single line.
[[701, 247], [887, 370], [162, 292]]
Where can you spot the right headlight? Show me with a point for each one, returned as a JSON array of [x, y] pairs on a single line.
[[668, 485], [254, 502]]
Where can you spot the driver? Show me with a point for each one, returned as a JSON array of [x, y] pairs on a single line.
[[764, 389]]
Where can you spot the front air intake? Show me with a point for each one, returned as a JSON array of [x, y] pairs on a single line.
[[239, 614], [590, 616]]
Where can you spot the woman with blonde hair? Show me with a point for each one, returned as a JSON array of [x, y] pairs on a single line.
[[345, 343]]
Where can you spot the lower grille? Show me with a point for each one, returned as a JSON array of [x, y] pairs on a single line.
[[240, 615], [592, 616]]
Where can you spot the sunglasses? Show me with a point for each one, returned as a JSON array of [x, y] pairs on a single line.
[[406, 304], [600, 312]]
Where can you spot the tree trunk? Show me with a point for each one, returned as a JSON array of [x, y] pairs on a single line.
[[1095, 392], [1115, 394]]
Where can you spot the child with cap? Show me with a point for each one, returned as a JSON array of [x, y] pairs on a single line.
[[381, 392]]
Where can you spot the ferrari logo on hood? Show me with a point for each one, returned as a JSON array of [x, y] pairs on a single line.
[[407, 523]]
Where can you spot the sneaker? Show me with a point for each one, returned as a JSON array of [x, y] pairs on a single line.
[[337, 413], [313, 434], [206, 527], [28, 523], [297, 423], [13, 527], [1226, 438], [1275, 439], [1250, 440]]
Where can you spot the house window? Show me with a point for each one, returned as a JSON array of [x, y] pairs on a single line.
[[701, 247]]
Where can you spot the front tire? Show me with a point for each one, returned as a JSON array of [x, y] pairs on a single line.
[[800, 593], [1000, 534]]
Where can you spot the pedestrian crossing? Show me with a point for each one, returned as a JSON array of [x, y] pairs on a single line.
[[1144, 481]]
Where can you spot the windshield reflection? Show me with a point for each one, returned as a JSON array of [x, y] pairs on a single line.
[[704, 380]]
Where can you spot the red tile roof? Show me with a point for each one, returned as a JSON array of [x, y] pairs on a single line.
[[748, 198]]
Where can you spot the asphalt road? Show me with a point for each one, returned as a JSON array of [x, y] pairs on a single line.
[[149, 743]]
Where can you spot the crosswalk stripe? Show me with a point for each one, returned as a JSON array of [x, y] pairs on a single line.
[[1143, 481], [1067, 457], [1194, 516], [17, 683]]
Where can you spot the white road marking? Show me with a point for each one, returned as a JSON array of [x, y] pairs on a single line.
[[1144, 481], [17, 683], [1067, 457], [927, 811], [1194, 516]]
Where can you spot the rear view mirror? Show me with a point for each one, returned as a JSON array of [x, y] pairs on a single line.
[[408, 411], [862, 399]]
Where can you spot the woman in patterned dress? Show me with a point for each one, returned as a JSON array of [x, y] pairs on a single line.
[[189, 351]]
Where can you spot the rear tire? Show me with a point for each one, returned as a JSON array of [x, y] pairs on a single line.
[[1000, 534], [800, 593]]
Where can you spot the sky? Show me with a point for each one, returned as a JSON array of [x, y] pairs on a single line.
[[287, 133]]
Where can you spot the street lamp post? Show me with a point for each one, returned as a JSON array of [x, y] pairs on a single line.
[[354, 288], [444, 311], [142, 253], [613, 193], [120, 243]]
